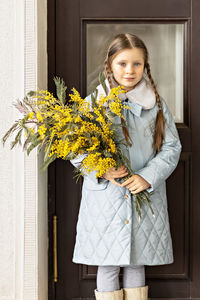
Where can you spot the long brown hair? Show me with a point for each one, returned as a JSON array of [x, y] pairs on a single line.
[[129, 41]]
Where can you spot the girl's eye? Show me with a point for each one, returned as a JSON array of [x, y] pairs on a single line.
[[122, 64], [137, 64]]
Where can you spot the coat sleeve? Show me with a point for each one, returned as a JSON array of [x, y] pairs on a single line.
[[160, 167]]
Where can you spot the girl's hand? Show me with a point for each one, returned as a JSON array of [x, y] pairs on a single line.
[[136, 184], [113, 173]]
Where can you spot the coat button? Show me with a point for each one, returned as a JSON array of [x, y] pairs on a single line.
[[126, 196], [127, 221]]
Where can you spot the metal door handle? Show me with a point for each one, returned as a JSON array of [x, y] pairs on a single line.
[[55, 262]]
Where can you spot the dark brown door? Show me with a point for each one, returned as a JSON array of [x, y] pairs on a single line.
[[67, 35]]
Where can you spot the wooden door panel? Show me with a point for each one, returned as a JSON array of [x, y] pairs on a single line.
[[135, 9], [195, 180], [67, 21]]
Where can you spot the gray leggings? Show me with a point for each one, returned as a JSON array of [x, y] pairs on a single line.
[[108, 277]]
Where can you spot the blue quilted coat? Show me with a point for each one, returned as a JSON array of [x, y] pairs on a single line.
[[108, 229]]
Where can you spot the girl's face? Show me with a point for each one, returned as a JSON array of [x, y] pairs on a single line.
[[128, 67]]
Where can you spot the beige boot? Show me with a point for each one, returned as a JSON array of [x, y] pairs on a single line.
[[140, 293], [115, 295]]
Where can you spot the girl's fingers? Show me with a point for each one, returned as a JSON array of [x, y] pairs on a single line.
[[120, 175], [115, 182], [132, 187], [138, 190], [112, 178], [116, 173], [122, 168], [128, 182]]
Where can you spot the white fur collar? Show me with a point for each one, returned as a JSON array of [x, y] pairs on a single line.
[[142, 94]]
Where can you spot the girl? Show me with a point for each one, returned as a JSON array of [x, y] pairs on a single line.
[[108, 231]]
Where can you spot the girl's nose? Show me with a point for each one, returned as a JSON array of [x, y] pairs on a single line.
[[130, 69]]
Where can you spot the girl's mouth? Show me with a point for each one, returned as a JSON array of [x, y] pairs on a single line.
[[129, 78]]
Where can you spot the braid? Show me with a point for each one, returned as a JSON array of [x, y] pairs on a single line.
[[160, 120], [107, 72], [129, 41], [154, 86]]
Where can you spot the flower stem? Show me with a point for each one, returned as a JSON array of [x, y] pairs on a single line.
[[142, 197]]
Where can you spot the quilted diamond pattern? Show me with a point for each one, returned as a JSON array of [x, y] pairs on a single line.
[[105, 238], [108, 231], [154, 236]]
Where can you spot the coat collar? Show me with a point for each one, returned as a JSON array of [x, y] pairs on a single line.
[[143, 94], [141, 97]]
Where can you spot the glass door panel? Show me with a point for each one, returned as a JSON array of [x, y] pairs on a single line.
[[165, 44]]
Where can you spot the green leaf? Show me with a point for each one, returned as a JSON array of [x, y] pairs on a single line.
[[94, 98], [70, 156], [17, 139], [47, 162], [32, 146], [27, 141], [9, 132], [31, 93], [31, 139], [78, 174], [102, 81], [48, 150], [60, 89]]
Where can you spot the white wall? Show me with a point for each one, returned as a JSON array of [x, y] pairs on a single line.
[[7, 197], [23, 189]]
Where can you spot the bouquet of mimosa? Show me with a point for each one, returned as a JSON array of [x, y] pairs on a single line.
[[67, 130]]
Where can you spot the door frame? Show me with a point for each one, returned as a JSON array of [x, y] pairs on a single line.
[[191, 62]]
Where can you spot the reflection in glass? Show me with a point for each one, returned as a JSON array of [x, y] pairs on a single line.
[[165, 46]]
